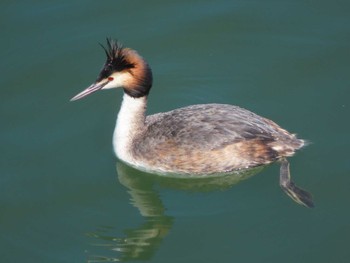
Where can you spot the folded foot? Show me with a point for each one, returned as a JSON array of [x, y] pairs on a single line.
[[297, 194]]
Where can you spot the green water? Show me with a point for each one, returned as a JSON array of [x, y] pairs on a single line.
[[64, 197]]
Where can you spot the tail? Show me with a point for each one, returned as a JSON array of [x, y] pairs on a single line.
[[286, 147]]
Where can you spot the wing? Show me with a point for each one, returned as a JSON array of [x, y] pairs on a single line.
[[209, 126]]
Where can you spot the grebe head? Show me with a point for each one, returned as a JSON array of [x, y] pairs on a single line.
[[124, 68]]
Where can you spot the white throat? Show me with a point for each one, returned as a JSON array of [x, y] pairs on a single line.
[[130, 124]]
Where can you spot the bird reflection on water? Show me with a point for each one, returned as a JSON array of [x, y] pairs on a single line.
[[142, 242]]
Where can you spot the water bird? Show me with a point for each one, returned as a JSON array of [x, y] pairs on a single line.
[[194, 140]]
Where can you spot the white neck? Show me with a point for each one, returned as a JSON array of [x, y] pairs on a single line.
[[130, 124]]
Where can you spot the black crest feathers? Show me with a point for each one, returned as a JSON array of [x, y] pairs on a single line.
[[116, 60]]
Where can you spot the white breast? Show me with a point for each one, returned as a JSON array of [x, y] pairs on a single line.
[[130, 124]]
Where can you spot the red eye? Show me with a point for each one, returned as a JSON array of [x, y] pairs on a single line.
[[110, 78]]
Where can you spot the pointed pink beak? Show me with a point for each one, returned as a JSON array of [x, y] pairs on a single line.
[[91, 89]]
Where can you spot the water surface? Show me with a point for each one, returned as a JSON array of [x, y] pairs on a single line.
[[64, 198]]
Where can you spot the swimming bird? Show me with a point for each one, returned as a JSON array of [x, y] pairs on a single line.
[[195, 140]]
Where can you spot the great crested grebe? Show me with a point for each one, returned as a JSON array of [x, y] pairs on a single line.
[[195, 140]]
